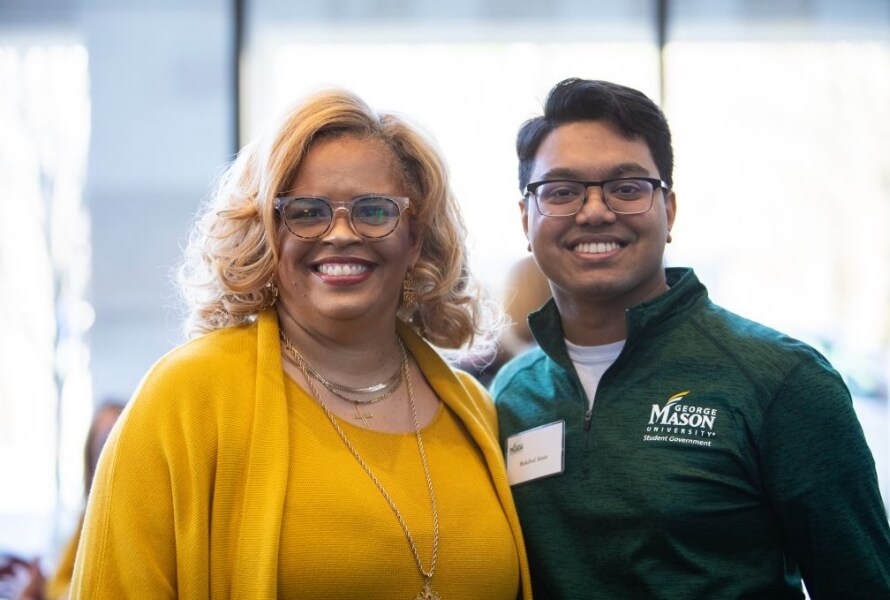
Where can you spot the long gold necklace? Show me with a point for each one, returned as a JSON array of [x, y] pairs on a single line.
[[427, 592]]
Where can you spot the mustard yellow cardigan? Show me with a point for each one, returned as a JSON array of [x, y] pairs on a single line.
[[188, 498]]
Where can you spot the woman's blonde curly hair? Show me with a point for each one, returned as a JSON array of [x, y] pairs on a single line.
[[232, 254]]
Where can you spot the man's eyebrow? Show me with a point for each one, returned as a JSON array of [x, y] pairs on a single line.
[[560, 173], [627, 169]]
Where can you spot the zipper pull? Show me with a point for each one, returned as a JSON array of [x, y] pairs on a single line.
[[587, 417]]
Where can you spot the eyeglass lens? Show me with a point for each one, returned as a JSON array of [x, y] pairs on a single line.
[[370, 216], [626, 196]]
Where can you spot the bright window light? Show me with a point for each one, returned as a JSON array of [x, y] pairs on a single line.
[[45, 395], [469, 95]]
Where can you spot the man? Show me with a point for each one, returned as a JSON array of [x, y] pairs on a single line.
[[658, 445]]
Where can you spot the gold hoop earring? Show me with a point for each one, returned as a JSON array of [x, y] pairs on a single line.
[[409, 293], [271, 293]]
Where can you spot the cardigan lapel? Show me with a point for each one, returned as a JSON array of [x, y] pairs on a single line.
[[255, 575], [445, 383]]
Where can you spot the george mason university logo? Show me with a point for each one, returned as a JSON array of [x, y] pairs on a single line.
[[681, 422]]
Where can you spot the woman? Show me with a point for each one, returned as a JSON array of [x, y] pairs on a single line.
[[312, 444]]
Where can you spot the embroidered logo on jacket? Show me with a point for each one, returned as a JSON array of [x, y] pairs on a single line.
[[681, 422]]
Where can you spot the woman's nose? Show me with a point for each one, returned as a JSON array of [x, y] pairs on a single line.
[[341, 231]]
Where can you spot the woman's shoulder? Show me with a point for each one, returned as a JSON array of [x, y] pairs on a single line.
[[216, 352], [475, 390], [211, 367], [477, 399], [196, 395], [461, 391]]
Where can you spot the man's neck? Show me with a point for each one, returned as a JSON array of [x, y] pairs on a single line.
[[596, 321], [589, 324]]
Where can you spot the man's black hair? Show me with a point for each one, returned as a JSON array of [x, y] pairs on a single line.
[[573, 100]]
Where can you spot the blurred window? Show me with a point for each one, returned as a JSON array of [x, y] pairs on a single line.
[[467, 72], [45, 400]]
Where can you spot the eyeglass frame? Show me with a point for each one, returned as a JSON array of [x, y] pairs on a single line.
[[657, 184], [402, 202]]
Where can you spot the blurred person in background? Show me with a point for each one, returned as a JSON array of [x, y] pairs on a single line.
[[311, 442], [103, 421], [658, 445], [526, 290], [23, 580]]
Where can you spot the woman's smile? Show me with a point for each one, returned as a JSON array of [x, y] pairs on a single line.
[[343, 271]]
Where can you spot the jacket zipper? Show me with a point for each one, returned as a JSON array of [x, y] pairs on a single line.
[[587, 417], [588, 413]]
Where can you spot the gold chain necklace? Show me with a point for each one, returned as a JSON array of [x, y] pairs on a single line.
[[386, 387], [427, 592], [293, 357]]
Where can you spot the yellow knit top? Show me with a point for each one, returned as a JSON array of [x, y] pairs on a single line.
[[342, 540]]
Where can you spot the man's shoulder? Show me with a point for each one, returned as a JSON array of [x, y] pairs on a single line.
[[760, 350], [519, 371], [734, 328]]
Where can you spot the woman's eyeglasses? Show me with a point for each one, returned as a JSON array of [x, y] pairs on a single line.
[[371, 216]]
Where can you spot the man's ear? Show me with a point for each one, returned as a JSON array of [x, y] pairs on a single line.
[[523, 211], [670, 210]]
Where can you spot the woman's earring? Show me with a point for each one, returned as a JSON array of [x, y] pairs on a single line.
[[271, 292], [409, 294], [669, 238]]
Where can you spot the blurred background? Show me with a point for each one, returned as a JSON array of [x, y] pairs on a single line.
[[117, 116]]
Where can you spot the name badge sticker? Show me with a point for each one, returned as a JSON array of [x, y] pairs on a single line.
[[536, 453]]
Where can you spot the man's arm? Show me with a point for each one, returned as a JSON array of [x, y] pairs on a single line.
[[820, 476]]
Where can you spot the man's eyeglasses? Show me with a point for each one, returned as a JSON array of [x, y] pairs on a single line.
[[371, 216], [623, 196]]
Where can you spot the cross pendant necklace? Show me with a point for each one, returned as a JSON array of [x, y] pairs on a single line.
[[363, 416], [427, 592]]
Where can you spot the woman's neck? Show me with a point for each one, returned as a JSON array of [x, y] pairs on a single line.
[[349, 353]]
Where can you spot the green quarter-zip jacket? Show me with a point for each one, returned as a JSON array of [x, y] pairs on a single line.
[[721, 459]]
